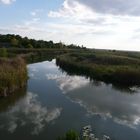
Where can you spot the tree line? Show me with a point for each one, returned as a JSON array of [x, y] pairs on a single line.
[[16, 41]]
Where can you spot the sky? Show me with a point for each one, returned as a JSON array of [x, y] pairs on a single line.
[[102, 24]]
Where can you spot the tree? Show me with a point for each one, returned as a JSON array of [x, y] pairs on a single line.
[[29, 46], [59, 45], [14, 42], [25, 41]]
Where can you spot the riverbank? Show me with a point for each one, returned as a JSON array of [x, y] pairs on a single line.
[[13, 75], [116, 67], [111, 67], [13, 61]]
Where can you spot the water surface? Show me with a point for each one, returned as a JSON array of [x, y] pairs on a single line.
[[55, 102]]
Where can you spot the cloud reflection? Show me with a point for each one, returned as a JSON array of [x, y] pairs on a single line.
[[100, 99], [109, 103], [97, 98], [68, 83], [30, 111]]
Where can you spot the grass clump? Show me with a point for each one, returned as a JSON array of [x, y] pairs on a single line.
[[13, 75], [70, 135]]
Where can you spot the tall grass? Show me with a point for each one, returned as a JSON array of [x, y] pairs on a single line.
[[13, 75], [119, 70]]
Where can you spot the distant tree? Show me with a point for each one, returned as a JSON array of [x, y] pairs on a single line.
[[50, 44], [14, 42], [25, 41], [29, 46], [59, 45]]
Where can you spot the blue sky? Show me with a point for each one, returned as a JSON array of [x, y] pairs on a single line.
[[99, 24]]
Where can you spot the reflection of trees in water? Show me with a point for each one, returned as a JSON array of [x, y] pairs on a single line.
[[72, 70], [126, 89], [38, 57], [6, 102]]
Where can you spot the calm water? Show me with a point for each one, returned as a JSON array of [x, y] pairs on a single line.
[[55, 102]]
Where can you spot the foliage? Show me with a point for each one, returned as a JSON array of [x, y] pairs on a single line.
[[24, 42], [29, 46], [111, 68], [3, 52], [70, 135], [14, 42], [13, 75]]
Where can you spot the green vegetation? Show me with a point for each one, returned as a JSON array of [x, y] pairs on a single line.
[[13, 75], [117, 67], [122, 68], [3, 52], [70, 135], [17, 41], [14, 49]]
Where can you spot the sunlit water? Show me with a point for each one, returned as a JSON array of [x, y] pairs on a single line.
[[55, 102]]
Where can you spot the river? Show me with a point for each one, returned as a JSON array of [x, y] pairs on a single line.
[[55, 102]]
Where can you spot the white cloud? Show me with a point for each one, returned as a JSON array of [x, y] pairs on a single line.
[[81, 24], [7, 1], [33, 13], [75, 11], [36, 12], [115, 7], [30, 28]]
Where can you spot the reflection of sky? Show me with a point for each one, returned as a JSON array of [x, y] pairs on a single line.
[[51, 72], [35, 70], [109, 103], [68, 83], [29, 110], [98, 99]]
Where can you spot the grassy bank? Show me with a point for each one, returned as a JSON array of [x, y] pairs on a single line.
[[36, 55], [117, 67], [13, 75], [111, 66], [121, 68]]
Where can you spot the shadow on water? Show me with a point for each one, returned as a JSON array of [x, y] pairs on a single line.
[[131, 89], [11, 100], [33, 58]]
